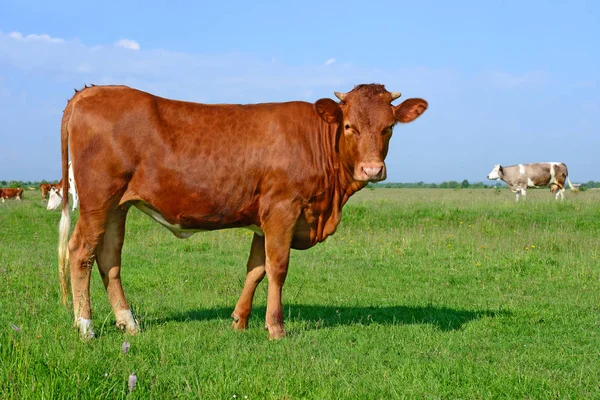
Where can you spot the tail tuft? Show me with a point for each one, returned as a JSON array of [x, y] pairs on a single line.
[[63, 253]]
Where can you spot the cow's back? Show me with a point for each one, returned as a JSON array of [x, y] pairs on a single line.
[[189, 160]]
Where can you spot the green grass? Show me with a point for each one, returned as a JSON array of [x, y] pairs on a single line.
[[420, 294]]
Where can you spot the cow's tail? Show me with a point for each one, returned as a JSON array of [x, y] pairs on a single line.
[[65, 219], [573, 188]]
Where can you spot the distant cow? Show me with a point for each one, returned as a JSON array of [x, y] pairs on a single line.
[[45, 189], [11, 193], [55, 192], [520, 177], [283, 170]]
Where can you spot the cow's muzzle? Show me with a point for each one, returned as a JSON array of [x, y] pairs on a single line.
[[370, 171]]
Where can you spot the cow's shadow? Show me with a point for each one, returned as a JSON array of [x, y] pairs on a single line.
[[442, 318]]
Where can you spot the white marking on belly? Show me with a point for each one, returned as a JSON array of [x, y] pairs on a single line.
[[521, 169], [177, 230], [256, 230]]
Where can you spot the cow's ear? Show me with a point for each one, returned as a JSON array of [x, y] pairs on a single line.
[[409, 109], [329, 110]]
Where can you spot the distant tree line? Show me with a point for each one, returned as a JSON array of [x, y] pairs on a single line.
[[465, 184], [22, 184]]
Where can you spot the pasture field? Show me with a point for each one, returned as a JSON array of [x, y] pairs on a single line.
[[429, 293]]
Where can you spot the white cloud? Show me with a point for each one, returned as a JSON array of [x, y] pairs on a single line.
[[32, 37], [128, 44], [206, 77], [330, 61]]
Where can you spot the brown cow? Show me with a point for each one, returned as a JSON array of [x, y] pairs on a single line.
[[284, 170], [6, 193], [45, 189]]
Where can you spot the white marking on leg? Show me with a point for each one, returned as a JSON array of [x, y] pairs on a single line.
[[530, 182], [86, 330], [126, 321]]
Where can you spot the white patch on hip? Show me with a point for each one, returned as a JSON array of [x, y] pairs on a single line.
[[552, 173], [521, 169]]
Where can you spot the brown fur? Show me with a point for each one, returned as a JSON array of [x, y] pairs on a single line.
[[10, 193], [287, 168]]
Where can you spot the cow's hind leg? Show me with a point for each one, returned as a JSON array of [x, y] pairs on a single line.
[[82, 247], [254, 275], [109, 265]]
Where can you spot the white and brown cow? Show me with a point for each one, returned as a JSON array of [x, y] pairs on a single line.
[[55, 192], [542, 174]]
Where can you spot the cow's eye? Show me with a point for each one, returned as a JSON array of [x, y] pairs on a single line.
[[347, 126]]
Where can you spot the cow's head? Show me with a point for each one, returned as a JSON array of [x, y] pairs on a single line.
[[496, 172], [366, 118], [54, 199]]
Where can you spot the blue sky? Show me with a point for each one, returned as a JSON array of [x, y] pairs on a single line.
[[507, 81]]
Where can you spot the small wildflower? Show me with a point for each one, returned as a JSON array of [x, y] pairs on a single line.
[[15, 328], [132, 381], [461, 222], [105, 374], [125, 347], [533, 246], [234, 396]]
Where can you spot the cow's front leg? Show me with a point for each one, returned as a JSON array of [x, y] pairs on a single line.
[[254, 275], [278, 230]]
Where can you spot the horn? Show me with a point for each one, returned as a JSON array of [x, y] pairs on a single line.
[[340, 95], [395, 95]]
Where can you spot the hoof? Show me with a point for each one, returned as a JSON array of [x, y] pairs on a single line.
[[276, 332], [239, 324], [84, 326], [126, 322]]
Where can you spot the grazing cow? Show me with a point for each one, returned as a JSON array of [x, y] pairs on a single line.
[[520, 177], [45, 189], [11, 193], [56, 191], [283, 170]]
